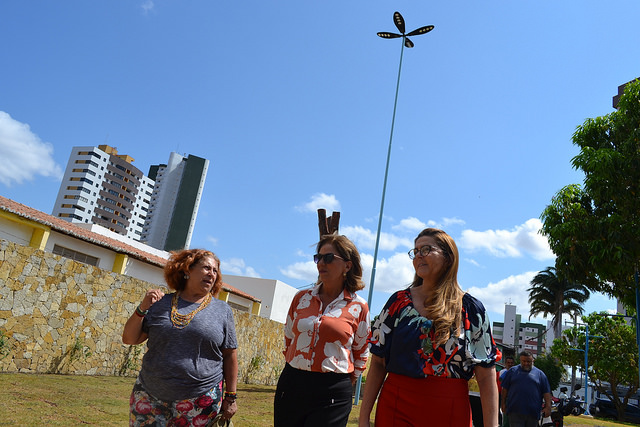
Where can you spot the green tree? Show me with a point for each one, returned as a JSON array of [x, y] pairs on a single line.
[[595, 230], [551, 294], [552, 368], [613, 356]]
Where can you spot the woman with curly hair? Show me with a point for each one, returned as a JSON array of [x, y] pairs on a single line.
[[191, 346], [428, 341]]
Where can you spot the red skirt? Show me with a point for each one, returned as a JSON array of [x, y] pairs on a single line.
[[430, 401]]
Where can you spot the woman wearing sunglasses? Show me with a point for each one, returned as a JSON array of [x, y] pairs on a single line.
[[325, 341], [428, 341]]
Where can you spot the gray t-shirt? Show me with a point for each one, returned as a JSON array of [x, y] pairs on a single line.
[[185, 363]]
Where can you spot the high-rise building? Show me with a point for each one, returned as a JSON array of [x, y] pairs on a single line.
[[516, 335], [175, 201], [103, 187]]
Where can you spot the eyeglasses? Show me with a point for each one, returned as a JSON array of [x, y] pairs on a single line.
[[423, 251], [327, 258]]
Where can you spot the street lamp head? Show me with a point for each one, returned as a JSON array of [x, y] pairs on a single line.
[[389, 35], [421, 30], [398, 20]]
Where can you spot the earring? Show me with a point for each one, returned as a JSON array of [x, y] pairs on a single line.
[[344, 274], [186, 277]]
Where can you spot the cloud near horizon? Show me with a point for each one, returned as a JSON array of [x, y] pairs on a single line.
[[23, 155], [395, 271], [515, 243], [237, 267], [321, 201]]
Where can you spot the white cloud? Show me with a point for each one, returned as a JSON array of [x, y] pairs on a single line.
[[472, 262], [366, 239], [306, 271], [392, 274], [410, 224], [212, 240], [512, 290], [23, 155], [237, 266], [147, 6], [513, 243], [321, 201], [452, 221]]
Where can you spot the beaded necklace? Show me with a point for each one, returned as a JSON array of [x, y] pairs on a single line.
[[181, 320]]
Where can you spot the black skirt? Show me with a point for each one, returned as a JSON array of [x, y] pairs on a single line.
[[312, 399]]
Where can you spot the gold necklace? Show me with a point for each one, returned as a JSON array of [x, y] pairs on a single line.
[[181, 320]]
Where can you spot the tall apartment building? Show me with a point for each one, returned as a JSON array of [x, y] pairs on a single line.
[[175, 202], [103, 187], [517, 335]]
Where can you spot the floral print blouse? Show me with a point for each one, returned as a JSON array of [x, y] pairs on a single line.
[[327, 339], [405, 340]]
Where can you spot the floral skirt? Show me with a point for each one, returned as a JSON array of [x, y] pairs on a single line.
[[146, 410]]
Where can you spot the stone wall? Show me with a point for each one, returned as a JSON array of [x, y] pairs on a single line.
[[62, 316]]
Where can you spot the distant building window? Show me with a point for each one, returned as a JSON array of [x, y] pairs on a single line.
[[89, 153], [75, 255], [238, 306], [70, 215], [86, 162], [77, 197]]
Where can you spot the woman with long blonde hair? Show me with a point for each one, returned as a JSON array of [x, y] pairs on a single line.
[[426, 344]]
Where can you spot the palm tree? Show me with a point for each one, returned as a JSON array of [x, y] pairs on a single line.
[[552, 294]]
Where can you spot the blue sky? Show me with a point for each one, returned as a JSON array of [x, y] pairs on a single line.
[[292, 102]]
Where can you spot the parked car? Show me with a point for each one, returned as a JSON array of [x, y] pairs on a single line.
[[606, 409]]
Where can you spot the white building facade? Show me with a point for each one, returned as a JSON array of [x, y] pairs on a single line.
[[101, 187], [276, 296]]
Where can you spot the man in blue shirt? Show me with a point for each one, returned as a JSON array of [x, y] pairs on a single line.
[[524, 387]]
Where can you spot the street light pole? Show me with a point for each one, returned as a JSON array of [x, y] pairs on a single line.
[[398, 20], [586, 366]]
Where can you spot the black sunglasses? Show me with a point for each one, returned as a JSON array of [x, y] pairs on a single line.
[[327, 258]]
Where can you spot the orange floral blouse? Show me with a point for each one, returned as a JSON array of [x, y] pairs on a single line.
[[329, 340]]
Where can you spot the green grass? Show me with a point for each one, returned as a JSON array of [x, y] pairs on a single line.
[[66, 400]]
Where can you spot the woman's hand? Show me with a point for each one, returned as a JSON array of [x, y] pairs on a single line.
[[229, 408], [151, 297], [132, 333]]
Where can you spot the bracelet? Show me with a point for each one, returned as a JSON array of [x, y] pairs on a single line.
[[141, 312], [231, 395]]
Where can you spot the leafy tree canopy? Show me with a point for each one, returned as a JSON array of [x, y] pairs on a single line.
[[552, 368], [613, 355], [594, 229]]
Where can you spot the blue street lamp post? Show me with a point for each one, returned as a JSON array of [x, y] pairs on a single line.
[[586, 366], [398, 20]]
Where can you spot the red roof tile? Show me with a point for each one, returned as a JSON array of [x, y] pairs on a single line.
[[64, 227]]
